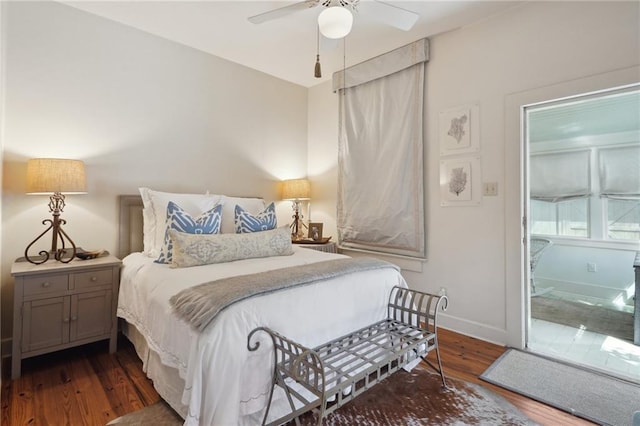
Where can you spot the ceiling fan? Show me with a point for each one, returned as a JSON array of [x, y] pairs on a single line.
[[384, 12]]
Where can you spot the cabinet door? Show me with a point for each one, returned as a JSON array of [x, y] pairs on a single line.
[[90, 315], [45, 323]]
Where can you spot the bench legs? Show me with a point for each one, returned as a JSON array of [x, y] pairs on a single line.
[[438, 369], [300, 364]]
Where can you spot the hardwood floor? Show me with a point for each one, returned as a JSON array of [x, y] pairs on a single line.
[[87, 386]]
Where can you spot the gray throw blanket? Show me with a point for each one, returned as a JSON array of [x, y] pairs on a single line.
[[200, 304]]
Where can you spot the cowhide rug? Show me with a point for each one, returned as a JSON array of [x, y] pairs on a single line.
[[415, 398]]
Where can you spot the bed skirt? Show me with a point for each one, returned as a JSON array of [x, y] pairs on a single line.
[[166, 380]]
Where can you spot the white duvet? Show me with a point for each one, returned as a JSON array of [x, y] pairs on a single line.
[[225, 383]]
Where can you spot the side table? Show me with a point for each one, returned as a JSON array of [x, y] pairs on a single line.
[[328, 247], [60, 305]]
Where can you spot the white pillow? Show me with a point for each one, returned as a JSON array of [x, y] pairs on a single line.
[[251, 205], [155, 213]]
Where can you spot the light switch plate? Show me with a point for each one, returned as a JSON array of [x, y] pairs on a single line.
[[490, 189]]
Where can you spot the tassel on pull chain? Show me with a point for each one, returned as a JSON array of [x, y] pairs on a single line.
[[317, 71]]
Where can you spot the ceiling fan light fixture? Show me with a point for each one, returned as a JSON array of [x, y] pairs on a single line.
[[335, 22]]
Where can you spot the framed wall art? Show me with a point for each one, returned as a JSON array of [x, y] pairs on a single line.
[[458, 130], [315, 231], [460, 181]]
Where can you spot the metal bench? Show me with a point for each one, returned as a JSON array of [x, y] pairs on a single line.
[[334, 373]]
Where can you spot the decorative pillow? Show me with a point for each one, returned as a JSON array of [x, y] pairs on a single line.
[[195, 250], [207, 223], [228, 210], [155, 213], [263, 221]]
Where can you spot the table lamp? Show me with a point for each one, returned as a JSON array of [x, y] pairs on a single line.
[[54, 176], [296, 190]]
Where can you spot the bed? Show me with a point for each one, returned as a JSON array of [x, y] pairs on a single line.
[[209, 377]]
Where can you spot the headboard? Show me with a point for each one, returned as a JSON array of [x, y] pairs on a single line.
[[130, 227]]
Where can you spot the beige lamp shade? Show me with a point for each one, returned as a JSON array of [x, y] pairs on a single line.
[[49, 175], [296, 189]]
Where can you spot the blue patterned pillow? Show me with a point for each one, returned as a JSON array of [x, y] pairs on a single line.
[[264, 221], [178, 219]]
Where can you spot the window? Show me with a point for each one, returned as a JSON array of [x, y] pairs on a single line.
[[623, 219], [610, 210], [565, 218], [584, 166]]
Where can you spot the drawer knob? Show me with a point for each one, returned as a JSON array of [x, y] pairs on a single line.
[[65, 320], [46, 284], [94, 278], [74, 318]]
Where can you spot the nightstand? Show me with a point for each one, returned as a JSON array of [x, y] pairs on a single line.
[[329, 247], [60, 305]]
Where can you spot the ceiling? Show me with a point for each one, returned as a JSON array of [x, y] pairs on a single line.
[[286, 47], [599, 114]]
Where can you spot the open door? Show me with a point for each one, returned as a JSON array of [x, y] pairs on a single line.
[[582, 180]]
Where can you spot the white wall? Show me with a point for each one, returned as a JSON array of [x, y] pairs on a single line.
[[2, 91], [322, 157], [140, 111], [534, 45], [567, 263]]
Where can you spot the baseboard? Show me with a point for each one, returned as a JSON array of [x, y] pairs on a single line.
[[585, 289], [474, 329]]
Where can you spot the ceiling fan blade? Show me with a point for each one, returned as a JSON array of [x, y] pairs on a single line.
[[392, 15], [283, 11]]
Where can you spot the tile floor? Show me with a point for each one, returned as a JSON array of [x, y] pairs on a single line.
[[609, 354]]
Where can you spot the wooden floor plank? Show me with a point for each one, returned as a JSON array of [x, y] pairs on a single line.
[[90, 394], [130, 364], [88, 386]]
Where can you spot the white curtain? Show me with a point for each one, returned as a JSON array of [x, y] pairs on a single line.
[[380, 159], [560, 176], [620, 172]]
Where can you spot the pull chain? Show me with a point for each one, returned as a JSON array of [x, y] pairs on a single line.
[[317, 72]]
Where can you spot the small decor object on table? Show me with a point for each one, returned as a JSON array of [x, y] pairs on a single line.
[[59, 305], [315, 231], [85, 255]]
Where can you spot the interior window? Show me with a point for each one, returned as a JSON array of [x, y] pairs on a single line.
[[584, 167], [623, 219], [564, 218]]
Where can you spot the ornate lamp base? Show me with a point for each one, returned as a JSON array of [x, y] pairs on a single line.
[[56, 205]]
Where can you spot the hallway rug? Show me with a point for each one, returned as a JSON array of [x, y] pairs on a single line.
[[582, 392], [580, 315], [415, 398]]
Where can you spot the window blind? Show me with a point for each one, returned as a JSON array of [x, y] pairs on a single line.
[[560, 176], [380, 157], [620, 172]]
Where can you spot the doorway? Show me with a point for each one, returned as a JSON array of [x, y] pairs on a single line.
[[582, 205]]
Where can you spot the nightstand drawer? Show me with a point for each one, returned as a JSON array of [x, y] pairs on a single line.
[[93, 278], [45, 284]]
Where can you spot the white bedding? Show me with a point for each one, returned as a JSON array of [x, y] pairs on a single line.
[[225, 383]]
